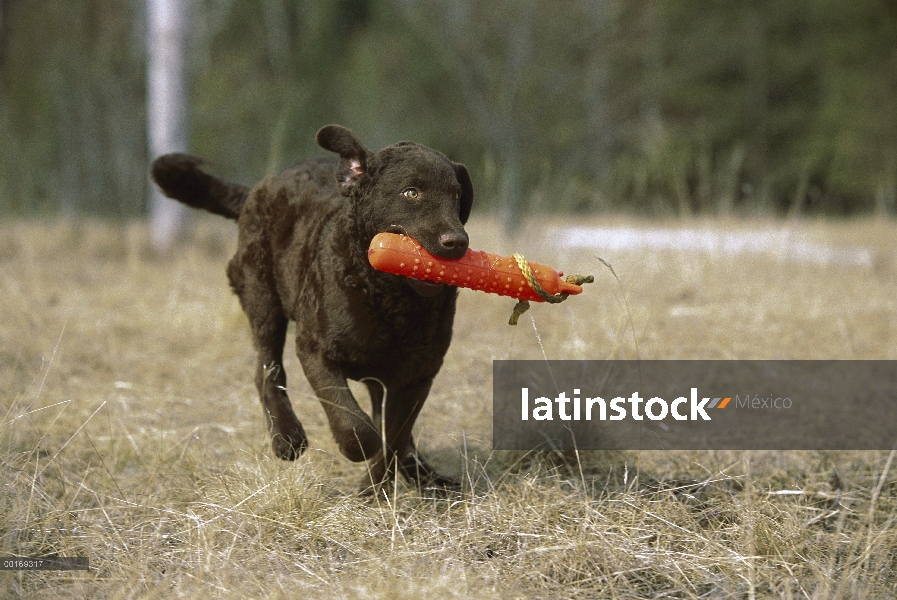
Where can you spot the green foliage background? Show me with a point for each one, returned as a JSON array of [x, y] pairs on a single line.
[[674, 107]]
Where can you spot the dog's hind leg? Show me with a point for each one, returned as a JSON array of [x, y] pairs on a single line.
[[269, 330], [288, 438]]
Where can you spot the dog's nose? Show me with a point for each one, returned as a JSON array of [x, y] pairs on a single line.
[[454, 244]]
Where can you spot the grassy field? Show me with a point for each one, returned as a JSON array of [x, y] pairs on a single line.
[[130, 432]]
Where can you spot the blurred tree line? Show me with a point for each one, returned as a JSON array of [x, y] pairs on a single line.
[[673, 107]]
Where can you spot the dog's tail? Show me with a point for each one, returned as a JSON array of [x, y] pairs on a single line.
[[179, 177]]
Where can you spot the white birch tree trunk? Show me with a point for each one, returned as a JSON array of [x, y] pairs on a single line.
[[166, 107]]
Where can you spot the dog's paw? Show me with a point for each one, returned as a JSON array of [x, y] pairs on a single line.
[[420, 473], [359, 443], [440, 483], [289, 446]]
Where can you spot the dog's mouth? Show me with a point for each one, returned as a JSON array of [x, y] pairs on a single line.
[[424, 288], [433, 247], [396, 229], [427, 289]]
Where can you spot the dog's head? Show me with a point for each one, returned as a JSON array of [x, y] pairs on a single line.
[[405, 188]]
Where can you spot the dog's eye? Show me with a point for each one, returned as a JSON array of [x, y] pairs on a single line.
[[411, 194]]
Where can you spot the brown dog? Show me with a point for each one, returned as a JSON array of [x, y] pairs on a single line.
[[302, 256]]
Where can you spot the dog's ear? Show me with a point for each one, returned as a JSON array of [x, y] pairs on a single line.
[[353, 165], [466, 191]]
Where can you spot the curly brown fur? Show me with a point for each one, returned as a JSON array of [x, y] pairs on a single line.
[[302, 256], [179, 177]]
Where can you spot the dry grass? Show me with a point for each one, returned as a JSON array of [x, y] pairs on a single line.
[[131, 434]]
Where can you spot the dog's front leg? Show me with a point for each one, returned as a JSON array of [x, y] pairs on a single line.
[[399, 414], [412, 466], [419, 472], [355, 434]]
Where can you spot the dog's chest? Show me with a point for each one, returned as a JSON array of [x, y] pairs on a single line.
[[398, 343]]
